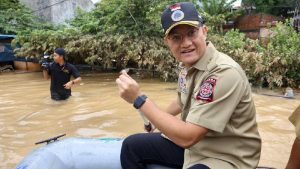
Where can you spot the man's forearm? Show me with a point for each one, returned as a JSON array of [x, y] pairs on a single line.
[[181, 133], [77, 80], [174, 108], [294, 161], [45, 74]]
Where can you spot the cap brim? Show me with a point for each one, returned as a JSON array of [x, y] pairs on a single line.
[[191, 23]]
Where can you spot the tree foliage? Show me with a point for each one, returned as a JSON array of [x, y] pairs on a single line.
[[129, 33], [278, 64], [15, 17], [121, 30], [217, 12], [133, 17], [39, 42], [282, 56], [274, 7]]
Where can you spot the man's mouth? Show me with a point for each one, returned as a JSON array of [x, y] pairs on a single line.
[[187, 51]]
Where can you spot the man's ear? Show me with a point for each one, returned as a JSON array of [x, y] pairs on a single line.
[[166, 41], [205, 31]]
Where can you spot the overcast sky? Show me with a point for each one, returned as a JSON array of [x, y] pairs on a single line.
[[237, 3], [95, 1]]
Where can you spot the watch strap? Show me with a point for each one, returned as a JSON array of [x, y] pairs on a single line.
[[139, 101]]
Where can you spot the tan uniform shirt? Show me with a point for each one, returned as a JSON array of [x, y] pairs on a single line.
[[295, 119], [215, 94]]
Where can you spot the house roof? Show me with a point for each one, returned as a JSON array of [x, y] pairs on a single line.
[[2, 36]]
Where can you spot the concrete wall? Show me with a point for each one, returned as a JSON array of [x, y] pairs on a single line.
[[57, 11]]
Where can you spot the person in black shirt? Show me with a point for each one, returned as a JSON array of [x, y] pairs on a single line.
[[60, 72]]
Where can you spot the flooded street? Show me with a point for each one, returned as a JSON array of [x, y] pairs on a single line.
[[28, 115]]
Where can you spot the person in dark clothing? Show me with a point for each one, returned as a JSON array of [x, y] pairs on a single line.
[[60, 72]]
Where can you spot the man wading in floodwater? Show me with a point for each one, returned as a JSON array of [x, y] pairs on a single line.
[[60, 72], [218, 128]]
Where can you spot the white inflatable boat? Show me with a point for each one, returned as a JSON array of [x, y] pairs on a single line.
[[77, 153]]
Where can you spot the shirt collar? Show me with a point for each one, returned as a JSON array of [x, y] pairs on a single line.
[[64, 65]]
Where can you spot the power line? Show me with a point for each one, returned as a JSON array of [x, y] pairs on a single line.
[[48, 6]]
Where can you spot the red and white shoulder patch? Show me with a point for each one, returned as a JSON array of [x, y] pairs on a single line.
[[206, 91]]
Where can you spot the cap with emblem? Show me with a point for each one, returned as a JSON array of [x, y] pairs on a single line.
[[178, 14]]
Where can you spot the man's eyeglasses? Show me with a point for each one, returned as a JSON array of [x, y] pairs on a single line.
[[178, 38]]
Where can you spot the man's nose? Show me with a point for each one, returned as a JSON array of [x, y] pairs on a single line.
[[186, 42]]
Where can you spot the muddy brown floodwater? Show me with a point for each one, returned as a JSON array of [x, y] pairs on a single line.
[[28, 115]]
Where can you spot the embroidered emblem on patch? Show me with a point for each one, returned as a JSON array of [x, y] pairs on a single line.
[[66, 71], [206, 92], [177, 15]]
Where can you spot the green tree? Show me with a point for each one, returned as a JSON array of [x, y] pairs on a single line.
[[134, 17], [15, 17], [36, 43], [95, 38], [274, 7], [278, 63], [126, 30], [121, 30], [217, 12], [282, 63]]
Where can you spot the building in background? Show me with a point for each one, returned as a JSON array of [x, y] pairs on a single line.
[[57, 11], [6, 53], [257, 26]]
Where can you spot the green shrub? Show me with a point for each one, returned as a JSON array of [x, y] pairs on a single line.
[[130, 31], [39, 42], [278, 63], [148, 52], [282, 57], [246, 52]]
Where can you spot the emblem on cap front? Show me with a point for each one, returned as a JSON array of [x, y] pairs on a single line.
[[177, 15]]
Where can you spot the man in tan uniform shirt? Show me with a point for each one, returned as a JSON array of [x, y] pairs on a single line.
[[221, 102], [217, 129], [294, 162]]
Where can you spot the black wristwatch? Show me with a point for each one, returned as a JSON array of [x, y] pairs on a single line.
[[139, 101]]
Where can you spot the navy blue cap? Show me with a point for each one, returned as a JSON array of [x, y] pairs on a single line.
[[60, 51], [178, 14]]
